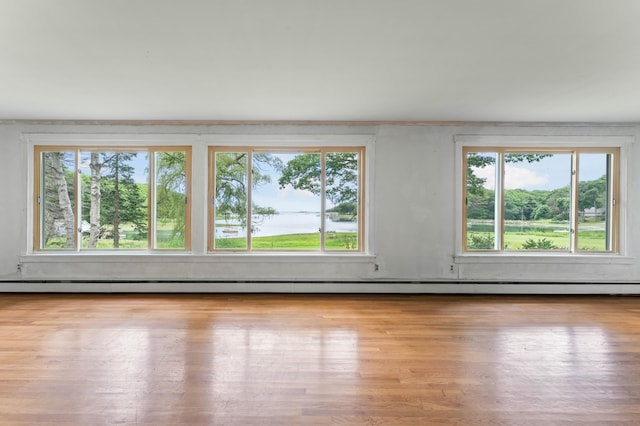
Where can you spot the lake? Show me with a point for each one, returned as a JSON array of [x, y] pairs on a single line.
[[284, 223]]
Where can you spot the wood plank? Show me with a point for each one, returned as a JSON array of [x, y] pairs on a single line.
[[70, 359]]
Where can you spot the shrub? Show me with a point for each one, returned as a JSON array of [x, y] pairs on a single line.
[[478, 241], [541, 244]]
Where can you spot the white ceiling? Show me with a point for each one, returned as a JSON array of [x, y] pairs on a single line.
[[345, 60]]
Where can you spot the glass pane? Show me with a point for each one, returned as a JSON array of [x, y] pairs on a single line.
[[341, 221], [230, 200], [286, 201], [114, 208], [58, 201], [481, 198], [171, 197], [593, 202], [537, 205]]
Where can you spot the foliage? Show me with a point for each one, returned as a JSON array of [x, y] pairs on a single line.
[[592, 193], [304, 172], [349, 208], [231, 184], [520, 204], [542, 211], [120, 198], [171, 188], [540, 244], [475, 184], [478, 241], [344, 212], [59, 199], [475, 161]]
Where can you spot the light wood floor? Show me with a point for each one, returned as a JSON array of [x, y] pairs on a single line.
[[317, 359]]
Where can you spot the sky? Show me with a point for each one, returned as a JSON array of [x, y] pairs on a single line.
[[140, 163], [264, 195], [547, 174], [288, 198]]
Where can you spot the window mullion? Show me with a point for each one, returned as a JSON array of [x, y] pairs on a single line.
[[249, 196], [610, 203], [78, 184], [40, 201], [151, 194], [499, 203], [573, 219], [323, 200]]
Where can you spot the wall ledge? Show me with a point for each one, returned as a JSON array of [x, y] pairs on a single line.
[[154, 257], [542, 258], [440, 287]]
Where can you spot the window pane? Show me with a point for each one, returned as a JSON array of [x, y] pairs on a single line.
[[286, 201], [230, 200], [171, 194], [58, 201], [593, 202], [537, 190], [114, 209], [481, 199], [341, 219]]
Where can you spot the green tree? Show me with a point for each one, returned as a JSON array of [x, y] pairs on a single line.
[[121, 200], [58, 196], [171, 188], [592, 194], [475, 184], [95, 165], [349, 208], [542, 211], [481, 205], [519, 204], [304, 172], [231, 184]]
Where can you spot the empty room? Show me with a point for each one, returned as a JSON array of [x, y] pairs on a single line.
[[295, 212]]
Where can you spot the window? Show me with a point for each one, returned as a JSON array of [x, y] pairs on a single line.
[[287, 199], [541, 199], [112, 198]]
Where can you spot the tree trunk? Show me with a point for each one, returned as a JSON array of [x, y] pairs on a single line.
[[63, 197], [94, 211]]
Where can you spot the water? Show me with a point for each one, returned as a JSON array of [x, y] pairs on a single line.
[[283, 224], [520, 228]]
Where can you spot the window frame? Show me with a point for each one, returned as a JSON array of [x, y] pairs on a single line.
[[574, 145], [151, 151], [323, 150]]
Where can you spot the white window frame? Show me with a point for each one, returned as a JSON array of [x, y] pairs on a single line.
[[481, 142]]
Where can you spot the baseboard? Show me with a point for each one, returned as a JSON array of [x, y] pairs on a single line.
[[321, 287]]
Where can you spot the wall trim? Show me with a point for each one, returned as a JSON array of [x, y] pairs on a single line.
[[313, 123], [390, 287]]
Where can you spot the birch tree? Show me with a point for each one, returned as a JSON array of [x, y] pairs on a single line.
[[55, 171]]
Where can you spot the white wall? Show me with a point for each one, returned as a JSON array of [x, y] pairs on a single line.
[[412, 226]]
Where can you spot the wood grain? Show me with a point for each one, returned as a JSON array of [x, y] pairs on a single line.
[[318, 359]]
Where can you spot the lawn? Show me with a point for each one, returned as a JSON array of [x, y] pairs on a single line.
[[334, 241], [591, 236]]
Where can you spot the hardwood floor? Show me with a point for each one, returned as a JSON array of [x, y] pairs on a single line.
[[318, 359]]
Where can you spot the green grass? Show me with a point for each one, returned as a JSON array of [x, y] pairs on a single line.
[[587, 240], [334, 241], [591, 235]]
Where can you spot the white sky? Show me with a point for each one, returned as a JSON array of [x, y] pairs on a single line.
[[549, 173]]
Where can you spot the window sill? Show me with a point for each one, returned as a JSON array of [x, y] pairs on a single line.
[[159, 257], [543, 258]]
